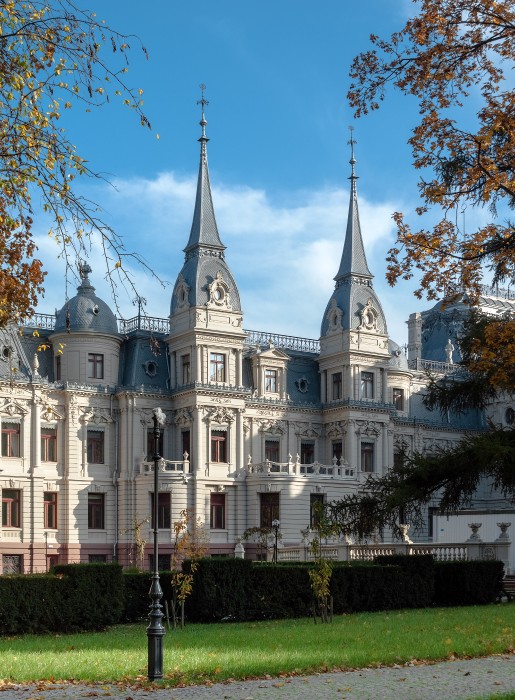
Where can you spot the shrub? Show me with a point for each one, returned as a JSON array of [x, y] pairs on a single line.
[[32, 604], [467, 582], [418, 585], [219, 590]]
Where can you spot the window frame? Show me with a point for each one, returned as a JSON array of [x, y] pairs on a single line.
[[367, 456], [96, 511], [398, 398], [313, 516], [11, 448], [11, 508], [95, 447], [337, 386], [217, 511], [272, 450], [271, 377], [219, 450], [304, 451], [269, 508], [50, 501], [186, 368], [151, 446], [48, 440], [367, 385], [217, 367], [95, 365], [164, 510]]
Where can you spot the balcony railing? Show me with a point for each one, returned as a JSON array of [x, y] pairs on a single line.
[[339, 469]]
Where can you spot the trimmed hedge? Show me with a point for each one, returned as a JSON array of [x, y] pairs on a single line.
[[75, 597], [418, 587], [467, 582], [136, 590]]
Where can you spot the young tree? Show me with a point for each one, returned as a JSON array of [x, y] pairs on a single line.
[[52, 58], [448, 50]]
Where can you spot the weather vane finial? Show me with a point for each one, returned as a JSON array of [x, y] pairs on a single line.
[[203, 121], [351, 142]]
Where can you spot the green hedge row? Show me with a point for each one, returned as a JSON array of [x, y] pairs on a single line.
[[75, 597], [93, 596]]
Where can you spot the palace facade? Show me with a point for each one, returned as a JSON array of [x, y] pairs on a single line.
[[259, 426]]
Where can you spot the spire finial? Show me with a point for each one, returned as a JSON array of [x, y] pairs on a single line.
[[203, 102], [351, 142]]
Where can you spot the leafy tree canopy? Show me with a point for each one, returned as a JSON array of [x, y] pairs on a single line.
[[52, 58], [450, 49]]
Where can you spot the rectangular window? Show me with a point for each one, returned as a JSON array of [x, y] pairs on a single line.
[[367, 457], [337, 386], [271, 381], [272, 450], [164, 511], [11, 508], [432, 512], [186, 444], [10, 439], [269, 508], [48, 445], [316, 504], [217, 511], [218, 446], [151, 446], [51, 561], [96, 446], [367, 385], [217, 367], [58, 368], [307, 452], [398, 398], [337, 449], [186, 369], [95, 366], [96, 511], [50, 503], [11, 564]]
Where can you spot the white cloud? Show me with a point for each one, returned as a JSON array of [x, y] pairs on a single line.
[[283, 255]]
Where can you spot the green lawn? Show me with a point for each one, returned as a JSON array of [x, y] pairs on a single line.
[[221, 651]]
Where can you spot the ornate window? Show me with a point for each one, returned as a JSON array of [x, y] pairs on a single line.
[[268, 508], [367, 385], [272, 450], [48, 445], [186, 369], [96, 511], [11, 508], [50, 504], [367, 457], [95, 366], [271, 381], [10, 439], [398, 398], [12, 564], [164, 511], [337, 386], [307, 452], [217, 511], [218, 446], [95, 446], [217, 367]]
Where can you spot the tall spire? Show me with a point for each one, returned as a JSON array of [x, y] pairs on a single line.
[[204, 231], [353, 262]]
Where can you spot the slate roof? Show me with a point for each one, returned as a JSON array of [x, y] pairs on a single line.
[[86, 312]]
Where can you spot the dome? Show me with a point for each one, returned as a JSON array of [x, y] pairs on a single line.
[[85, 311]]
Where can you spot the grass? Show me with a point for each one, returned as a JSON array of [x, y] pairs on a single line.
[[217, 652]]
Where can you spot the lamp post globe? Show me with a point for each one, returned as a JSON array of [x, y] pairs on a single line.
[[155, 629]]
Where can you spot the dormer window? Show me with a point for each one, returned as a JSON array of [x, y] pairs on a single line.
[[271, 381], [95, 366]]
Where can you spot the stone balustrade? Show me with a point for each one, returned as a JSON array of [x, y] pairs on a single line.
[[338, 469]]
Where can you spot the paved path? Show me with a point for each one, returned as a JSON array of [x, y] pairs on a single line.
[[451, 680]]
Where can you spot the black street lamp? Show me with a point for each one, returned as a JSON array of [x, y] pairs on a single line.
[[155, 630], [276, 524]]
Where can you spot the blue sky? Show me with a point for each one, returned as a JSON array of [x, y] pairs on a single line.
[[276, 73]]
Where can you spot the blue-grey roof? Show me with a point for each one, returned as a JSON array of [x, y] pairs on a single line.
[[86, 312], [353, 261], [351, 299]]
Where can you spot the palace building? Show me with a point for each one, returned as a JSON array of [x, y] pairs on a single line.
[[258, 426]]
